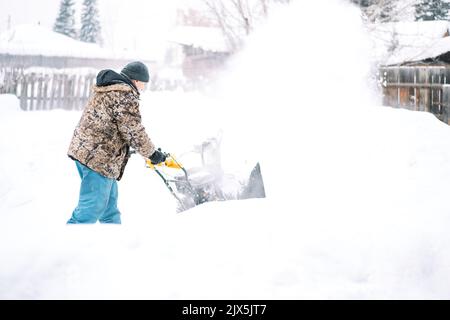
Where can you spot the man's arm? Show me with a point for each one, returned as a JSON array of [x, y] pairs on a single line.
[[126, 113]]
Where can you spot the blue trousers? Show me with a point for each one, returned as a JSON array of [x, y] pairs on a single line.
[[98, 198]]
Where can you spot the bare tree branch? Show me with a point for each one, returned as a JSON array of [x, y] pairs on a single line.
[[237, 18]]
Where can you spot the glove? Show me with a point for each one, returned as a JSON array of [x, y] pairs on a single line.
[[158, 156]]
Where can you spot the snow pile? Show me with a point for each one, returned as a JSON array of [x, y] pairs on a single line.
[[356, 194], [349, 180], [9, 105]]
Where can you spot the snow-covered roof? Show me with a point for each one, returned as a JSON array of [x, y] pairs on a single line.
[[39, 40], [412, 41], [207, 38], [433, 50]]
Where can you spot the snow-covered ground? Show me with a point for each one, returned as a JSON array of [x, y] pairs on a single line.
[[356, 203]]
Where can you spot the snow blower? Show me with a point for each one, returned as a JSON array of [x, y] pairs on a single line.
[[206, 181]]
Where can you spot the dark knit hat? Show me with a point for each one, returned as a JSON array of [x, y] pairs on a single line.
[[137, 71]]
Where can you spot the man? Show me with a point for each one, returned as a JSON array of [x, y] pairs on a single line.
[[109, 126]]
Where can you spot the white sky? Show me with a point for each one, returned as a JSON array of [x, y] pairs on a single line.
[[133, 24]]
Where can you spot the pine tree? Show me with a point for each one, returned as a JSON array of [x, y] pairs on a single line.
[[90, 24], [427, 10], [362, 3], [387, 10], [65, 22], [378, 10]]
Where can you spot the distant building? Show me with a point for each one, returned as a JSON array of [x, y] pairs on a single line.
[[415, 73], [199, 46], [36, 46]]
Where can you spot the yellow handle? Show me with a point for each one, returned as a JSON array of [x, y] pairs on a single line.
[[149, 164], [170, 163]]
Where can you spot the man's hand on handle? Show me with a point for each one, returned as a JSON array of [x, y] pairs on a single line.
[[158, 156]]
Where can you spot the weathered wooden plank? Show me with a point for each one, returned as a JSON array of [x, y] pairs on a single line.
[[59, 94], [391, 75], [89, 80], [434, 79], [424, 92], [24, 94], [53, 91], [73, 94], [45, 98], [31, 97], [415, 85], [39, 93], [77, 95], [68, 93], [446, 104], [67, 88]]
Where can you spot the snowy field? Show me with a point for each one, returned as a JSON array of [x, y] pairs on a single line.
[[357, 194]]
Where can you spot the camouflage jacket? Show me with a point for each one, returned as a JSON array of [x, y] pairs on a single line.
[[109, 126]]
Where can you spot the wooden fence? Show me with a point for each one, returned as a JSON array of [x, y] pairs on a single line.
[[419, 88], [44, 82], [57, 91], [47, 90]]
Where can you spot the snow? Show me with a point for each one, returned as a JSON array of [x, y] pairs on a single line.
[[430, 51], [30, 39], [9, 105], [413, 41], [356, 193]]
